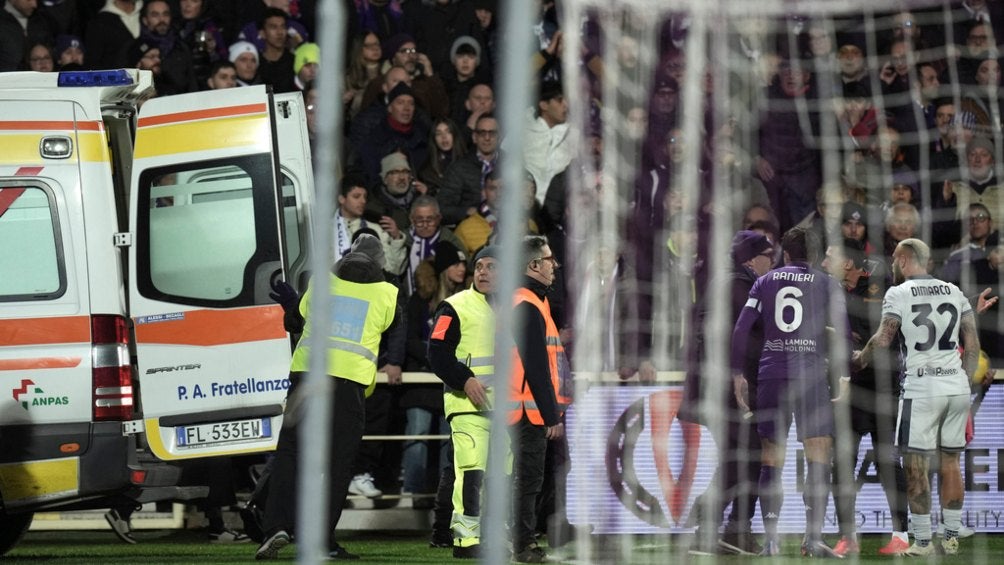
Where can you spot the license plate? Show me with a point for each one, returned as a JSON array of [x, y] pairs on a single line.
[[223, 432]]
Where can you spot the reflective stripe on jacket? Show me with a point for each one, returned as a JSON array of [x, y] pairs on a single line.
[[521, 397], [360, 312], [476, 348]]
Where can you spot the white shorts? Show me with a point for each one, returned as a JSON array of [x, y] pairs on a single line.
[[928, 424]]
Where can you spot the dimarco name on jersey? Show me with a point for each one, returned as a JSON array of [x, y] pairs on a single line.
[[940, 290]]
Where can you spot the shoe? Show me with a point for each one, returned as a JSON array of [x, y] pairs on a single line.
[[950, 545], [964, 531], [270, 548], [770, 549], [818, 548], [228, 536], [120, 526], [848, 545], [339, 553], [441, 538], [896, 546], [532, 554], [739, 543], [250, 516], [920, 551], [469, 552], [362, 485]]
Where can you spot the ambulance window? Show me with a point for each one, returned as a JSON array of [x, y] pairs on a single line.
[[293, 223], [209, 232], [31, 256]]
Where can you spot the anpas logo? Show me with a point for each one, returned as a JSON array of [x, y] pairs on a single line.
[[30, 395]]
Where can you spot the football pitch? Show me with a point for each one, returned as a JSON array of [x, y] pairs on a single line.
[[190, 546]]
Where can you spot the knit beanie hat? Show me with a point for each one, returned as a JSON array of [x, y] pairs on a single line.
[[304, 54], [447, 255], [748, 244], [241, 47]]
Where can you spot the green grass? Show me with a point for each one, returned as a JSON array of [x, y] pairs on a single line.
[[189, 546]]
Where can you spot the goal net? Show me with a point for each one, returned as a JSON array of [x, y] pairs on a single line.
[[864, 121]]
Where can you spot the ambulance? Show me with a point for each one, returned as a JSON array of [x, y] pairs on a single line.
[[138, 240]]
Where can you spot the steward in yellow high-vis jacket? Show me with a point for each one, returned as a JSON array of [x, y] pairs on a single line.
[[462, 354], [363, 307]]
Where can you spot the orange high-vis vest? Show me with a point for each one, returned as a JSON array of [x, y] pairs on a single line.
[[521, 397]]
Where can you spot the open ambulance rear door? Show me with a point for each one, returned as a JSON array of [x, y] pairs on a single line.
[[205, 215]]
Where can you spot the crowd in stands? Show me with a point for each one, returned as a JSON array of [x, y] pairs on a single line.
[[874, 128]]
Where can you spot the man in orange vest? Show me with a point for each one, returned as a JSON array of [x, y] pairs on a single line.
[[537, 392]]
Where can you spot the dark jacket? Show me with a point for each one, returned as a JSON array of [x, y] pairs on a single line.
[[14, 40], [106, 41], [461, 188]]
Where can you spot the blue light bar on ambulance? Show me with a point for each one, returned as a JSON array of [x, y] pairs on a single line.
[[118, 77]]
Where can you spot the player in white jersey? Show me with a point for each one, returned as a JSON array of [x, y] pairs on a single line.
[[934, 318]]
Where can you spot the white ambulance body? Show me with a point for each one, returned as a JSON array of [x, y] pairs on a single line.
[[137, 247]]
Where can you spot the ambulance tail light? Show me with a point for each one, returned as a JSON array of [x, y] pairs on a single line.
[[112, 373]]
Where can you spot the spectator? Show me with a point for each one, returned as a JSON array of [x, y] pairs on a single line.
[[349, 219], [432, 24], [244, 56], [363, 68], [547, 149], [982, 185], [115, 26], [383, 17], [145, 56], [446, 145], [425, 234], [400, 50], [463, 72], [69, 51], [476, 230], [788, 164], [394, 192], [223, 74], [460, 194], [902, 221], [176, 72], [275, 67], [398, 130], [254, 31], [851, 63], [480, 100], [202, 35], [21, 26], [38, 58], [306, 61]]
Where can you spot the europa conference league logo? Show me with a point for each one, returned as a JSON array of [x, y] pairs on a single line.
[[620, 458]]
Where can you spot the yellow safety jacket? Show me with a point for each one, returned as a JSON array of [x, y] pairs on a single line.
[[476, 348], [360, 312]]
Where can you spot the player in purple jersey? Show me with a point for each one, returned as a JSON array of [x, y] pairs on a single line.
[[792, 303]]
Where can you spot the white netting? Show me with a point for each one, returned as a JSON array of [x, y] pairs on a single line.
[[711, 115]]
